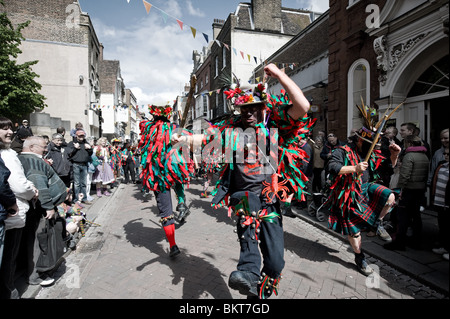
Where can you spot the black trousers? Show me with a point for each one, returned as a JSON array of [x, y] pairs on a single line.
[[164, 204], [408, 212], [129, 168], [271, 246]]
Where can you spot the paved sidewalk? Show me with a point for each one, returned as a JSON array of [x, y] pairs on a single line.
[[127, 258]]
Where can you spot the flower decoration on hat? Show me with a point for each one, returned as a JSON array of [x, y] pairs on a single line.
[[116, 140], [242, 96], [160, 111], [371, 123]]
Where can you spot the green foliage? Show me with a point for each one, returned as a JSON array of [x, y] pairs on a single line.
[[19, 92]]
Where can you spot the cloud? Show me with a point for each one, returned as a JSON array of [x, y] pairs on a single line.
[[314, 5], [193, 11], [155, 57]]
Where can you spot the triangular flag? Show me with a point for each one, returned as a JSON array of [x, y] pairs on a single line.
[[180, 23], [206, 37], [164, 16], [218, 43], [193, 31], [210, 92], [226, 46], [257, 79], [256, 60], [248, 56], [147, 5], [235, 52], [242, 54]]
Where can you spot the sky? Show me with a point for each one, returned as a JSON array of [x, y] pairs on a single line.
[[155, 53]]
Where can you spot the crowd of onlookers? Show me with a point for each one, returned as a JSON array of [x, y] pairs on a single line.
[[45, 182]]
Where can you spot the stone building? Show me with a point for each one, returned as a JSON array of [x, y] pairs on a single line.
[[61, 37], [112, 99]]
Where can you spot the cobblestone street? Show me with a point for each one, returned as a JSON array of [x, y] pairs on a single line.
[[127, 258]]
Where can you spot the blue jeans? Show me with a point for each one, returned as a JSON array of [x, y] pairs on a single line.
[[79, 180]]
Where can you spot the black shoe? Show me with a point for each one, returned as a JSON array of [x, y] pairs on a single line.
[[174, 251], [184, 212], [245, 282], [394, 245], [287, 211]]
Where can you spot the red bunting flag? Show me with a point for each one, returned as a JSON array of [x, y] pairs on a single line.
[[180, 23]]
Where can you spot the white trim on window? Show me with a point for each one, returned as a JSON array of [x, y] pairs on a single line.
[[351, 108]]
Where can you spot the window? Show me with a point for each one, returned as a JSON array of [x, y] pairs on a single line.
[[224, 57], [205, 105], [434, 79], [206, 79], [358, 88], [217, 66]]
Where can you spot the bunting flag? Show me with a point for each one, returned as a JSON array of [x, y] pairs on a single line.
[[148, 6], [206, 37], [180, 23], [165, 16]]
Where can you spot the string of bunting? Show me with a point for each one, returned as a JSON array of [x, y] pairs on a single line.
[[148, 7]]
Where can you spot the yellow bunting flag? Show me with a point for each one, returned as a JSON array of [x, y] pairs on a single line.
[[147, 5], [193, 31]]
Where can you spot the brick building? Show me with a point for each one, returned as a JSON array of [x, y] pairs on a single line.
[[305, 60], [388, 52], [61, 37]]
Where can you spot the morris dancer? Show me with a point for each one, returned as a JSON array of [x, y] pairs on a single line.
[[164, 168], [249, 184], [116, 159], [356, 200]]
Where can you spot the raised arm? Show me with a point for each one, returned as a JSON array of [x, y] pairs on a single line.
[[300, 103]]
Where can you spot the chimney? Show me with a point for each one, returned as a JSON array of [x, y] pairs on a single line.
[[101, 47], [217, 27], [267, 15]]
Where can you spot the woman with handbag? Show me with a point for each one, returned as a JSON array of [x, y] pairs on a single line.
[[24, 191]]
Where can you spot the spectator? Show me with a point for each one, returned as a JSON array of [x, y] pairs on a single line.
[[52, 192], [440, 201], [318, 165], [80, 153], [61, 130], [103, 175], [25, 128], [438, 156], [24, 191], [425, 143], [78, 126], [91, 168], [60, 159], [331, 144], [17, 143], [389, 137], [8, 205], [412, 182], [129, 164]]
